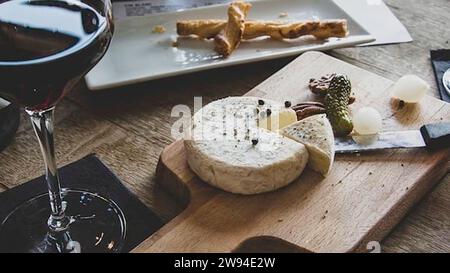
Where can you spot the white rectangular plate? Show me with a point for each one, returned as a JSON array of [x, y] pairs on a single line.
[[136, 54]]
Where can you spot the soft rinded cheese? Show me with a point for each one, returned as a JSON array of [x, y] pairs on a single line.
[[228, 150], [316, 134]]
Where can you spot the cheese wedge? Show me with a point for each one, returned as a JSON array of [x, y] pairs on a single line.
[[228, 149], [316, 134], [277, 121]]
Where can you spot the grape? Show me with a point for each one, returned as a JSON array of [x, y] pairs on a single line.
[[410, 89], [367, 121]]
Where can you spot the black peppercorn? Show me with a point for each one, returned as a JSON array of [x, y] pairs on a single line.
[[287, 104], [260, 102], [254, 141], [269, 112]]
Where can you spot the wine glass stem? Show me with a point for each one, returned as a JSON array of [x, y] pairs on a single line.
[[43, 127]]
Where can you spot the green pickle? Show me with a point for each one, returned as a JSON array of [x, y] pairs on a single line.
[[336, 104]]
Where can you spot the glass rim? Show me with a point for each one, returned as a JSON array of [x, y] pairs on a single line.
[[65, 53]]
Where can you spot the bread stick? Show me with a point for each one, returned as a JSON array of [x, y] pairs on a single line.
[[208, 29], [227, 40]]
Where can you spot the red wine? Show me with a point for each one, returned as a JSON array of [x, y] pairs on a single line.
[[46, 46]]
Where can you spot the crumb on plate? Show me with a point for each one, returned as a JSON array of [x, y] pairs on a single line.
[[159, 29]]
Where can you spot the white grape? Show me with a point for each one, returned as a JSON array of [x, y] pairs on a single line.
[[367, 121], [410, 89]]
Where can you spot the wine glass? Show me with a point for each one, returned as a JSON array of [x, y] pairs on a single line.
[[46, 47]]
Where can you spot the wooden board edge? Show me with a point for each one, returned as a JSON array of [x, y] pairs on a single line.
[[168, 179], [268, 244]]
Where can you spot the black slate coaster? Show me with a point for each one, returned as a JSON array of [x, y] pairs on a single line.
[[91, 174], [441, 62]]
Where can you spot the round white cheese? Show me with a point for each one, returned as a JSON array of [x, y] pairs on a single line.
[[228, 149]]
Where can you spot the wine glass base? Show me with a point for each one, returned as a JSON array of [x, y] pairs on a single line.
[[98, 226]]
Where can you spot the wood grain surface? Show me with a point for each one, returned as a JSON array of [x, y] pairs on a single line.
[[128, 127], [363, 197]]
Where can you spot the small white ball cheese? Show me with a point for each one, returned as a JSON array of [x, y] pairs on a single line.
[[367, 121], [410, 89]]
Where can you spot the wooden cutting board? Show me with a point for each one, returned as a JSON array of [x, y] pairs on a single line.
[[362, 199]]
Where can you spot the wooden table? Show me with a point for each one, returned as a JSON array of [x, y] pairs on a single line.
[[128, 127]]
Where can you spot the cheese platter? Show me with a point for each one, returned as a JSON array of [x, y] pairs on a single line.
[[313, 200]]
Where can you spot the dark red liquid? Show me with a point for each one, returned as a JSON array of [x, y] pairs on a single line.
[[47, 46]]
